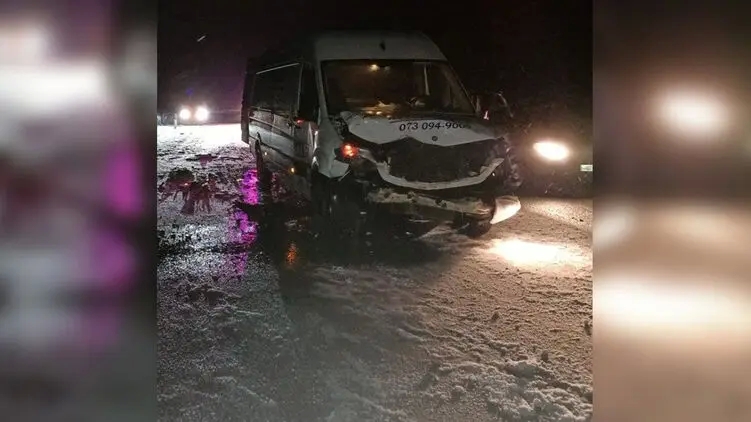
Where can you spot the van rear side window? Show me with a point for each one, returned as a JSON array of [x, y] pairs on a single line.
[[277, 90]]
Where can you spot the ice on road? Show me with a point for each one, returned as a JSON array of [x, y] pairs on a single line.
[[261, 321]]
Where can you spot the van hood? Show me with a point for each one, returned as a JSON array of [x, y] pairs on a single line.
[[433, 130]]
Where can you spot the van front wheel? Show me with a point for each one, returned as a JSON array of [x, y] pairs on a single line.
[[477, 228], [333, 211], [258, 156], [263, 173]]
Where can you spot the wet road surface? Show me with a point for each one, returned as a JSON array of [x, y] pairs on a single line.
[[259, 320]]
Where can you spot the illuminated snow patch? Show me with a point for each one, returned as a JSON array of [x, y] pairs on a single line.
[[524, 252]]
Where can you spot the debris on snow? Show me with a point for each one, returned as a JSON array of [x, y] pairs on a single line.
[[588, 327], [457, 392]]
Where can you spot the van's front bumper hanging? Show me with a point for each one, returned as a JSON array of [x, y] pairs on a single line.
[[419, 204]]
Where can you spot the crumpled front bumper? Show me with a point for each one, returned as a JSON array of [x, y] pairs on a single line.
[[422, 205]]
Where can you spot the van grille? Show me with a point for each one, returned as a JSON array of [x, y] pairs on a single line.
[[415, 161]]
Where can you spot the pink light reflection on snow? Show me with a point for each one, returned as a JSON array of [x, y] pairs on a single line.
[[244, 231], [249, 187]]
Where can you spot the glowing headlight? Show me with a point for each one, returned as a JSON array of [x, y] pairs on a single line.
[[184, 114], [694, 114], [202, 114], [553, 151]]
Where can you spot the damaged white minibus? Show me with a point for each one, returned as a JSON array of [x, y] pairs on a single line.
[[366, 120]]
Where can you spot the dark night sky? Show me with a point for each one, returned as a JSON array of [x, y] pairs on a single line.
[[538, 52]]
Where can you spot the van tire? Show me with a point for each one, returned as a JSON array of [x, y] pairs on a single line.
[[477, 228], [318, 192], [258, 155], [319, 202], [262, 173], [333, 211], [260, 163]]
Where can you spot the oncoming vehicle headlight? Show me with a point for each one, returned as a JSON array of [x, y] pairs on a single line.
[[185, 114], [552, 150], [202, 114]]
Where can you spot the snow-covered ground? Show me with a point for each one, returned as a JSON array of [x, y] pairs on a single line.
[[260, 321]]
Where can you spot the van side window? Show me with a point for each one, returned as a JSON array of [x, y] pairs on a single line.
[[286, 90], [308, 95], [262, 95], [277, 90]]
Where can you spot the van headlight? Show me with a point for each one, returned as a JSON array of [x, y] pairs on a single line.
[[552, 150]]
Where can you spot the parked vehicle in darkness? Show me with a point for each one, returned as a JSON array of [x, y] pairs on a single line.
[[554, 158]]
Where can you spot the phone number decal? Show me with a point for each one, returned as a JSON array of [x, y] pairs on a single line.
[[431, 126]]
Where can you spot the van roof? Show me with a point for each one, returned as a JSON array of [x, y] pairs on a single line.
[[353, 45]]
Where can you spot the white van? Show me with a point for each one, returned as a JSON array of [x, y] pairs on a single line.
[[377, 119]]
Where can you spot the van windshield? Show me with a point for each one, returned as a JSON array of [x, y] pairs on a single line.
[[393, 88]]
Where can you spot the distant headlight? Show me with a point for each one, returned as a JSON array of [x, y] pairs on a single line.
[[552, 151], [202, 114], [185, 114]]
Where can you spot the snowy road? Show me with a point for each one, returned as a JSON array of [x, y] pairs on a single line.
[[258, 321]]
